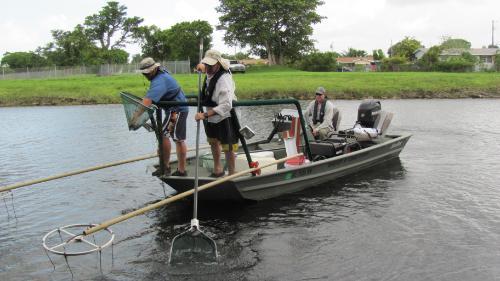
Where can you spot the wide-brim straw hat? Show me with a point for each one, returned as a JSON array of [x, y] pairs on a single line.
[[212, 57], [147, 65]]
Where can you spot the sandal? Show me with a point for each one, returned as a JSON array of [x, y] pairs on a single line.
[[178, 173], [219, 175]]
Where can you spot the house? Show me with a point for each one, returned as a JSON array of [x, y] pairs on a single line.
[[356, 63], [485, 56]]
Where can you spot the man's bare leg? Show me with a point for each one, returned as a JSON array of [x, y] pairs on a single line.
[[167, 146], [181, 149]]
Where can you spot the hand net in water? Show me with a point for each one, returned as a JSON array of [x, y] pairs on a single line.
[[133, 104]]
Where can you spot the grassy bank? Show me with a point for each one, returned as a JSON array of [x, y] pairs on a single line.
[[259, 83]]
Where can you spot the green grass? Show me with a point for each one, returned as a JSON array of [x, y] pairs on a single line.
[[260, 82]]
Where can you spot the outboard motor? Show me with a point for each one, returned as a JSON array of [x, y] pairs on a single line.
[[368, 112]]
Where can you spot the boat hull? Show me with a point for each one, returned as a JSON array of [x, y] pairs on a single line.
[[290, 180]]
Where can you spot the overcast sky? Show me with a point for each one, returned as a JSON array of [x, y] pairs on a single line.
[[361, 24]]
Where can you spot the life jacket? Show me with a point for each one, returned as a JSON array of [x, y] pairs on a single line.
[[321, 113], [207, 93]]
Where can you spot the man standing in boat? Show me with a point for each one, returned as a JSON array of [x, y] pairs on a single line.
[[163, 87], [320, 115], [218, 95]]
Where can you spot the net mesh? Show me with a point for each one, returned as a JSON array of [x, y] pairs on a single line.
[[193, 246], [133, 105]]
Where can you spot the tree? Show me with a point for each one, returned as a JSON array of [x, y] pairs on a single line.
[[393, 63], [497, 62], [351, 52], [237, 56], [430, 59], [71, 48], [281, 27], [405, 48], [378, 54], [450, 43], [116, 56], [184, 40], [111, 23], [154, 42], [317, 61], [136, 58], [23, 60], [180, 42]]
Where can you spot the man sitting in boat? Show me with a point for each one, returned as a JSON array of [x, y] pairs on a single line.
[[323, 118], [164, 87], [218, 95]]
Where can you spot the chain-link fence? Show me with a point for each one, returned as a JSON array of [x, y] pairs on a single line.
[[175, 67]]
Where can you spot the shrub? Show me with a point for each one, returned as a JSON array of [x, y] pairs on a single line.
[[455, 64], [318, 61], [393, 63]]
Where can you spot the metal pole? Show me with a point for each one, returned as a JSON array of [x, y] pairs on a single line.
[[195, 198]]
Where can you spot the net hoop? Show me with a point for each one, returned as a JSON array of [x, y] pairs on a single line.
[[76, 238]]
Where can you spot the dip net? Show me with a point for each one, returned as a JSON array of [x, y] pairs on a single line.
[[133, 105]]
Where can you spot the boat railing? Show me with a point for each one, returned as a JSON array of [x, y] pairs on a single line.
[[242, 103]]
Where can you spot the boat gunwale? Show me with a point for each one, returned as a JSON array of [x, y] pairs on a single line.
[[394, 139]]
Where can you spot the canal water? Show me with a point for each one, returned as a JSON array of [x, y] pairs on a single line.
[[432, 214]]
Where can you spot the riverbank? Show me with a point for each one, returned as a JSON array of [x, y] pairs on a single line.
[[260, 83]]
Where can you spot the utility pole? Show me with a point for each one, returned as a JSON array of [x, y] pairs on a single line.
[[492, 33]]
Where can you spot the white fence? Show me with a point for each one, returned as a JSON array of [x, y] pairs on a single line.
[[174, 67]]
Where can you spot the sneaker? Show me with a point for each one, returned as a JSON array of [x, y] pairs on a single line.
[[158, 173], [178, 173]]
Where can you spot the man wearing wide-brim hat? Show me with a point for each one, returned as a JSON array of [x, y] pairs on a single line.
[[218, 96], [164, 87]]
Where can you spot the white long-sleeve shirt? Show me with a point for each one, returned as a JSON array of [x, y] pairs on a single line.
[[224, 96]]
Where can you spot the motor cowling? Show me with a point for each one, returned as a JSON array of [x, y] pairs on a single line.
[[368, 112]]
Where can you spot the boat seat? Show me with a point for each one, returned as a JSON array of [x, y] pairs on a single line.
[[380, 126], [333, 146], [336, 119], [382, 122]]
